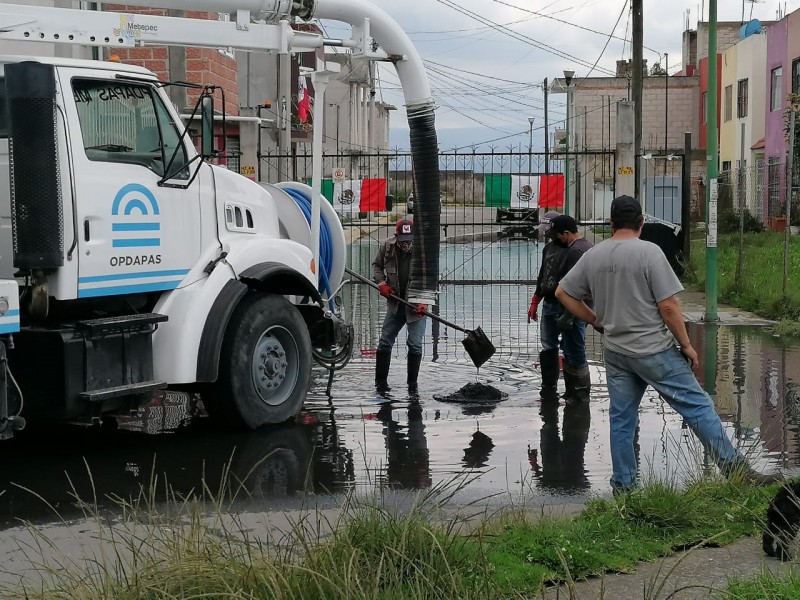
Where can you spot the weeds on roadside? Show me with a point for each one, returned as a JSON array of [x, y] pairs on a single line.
[[149, 548]]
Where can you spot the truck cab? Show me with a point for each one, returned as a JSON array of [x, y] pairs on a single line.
[[140, 266]]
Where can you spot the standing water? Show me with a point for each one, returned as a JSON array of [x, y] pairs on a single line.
[[510, 447]]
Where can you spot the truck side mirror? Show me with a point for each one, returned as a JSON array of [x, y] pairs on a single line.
[[207, 126]]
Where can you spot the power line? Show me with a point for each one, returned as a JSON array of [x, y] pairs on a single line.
[[522, 38], [610, 35], [537, 13]]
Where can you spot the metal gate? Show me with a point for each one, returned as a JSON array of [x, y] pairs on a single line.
[[490, 253]]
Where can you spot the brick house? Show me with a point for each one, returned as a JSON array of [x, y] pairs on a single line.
[[667, 113]]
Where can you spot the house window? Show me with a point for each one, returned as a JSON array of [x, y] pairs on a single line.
[[741, 99], [796, 76], [726, 166], [704, 107], [776, 93], [729, 103]]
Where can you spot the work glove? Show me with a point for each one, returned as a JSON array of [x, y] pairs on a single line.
[[421, 309], [532, 316], [385, 289], [566, 322]]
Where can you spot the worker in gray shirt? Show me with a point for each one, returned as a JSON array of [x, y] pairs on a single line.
[[634, 289]]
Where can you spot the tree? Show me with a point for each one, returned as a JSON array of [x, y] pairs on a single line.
[[657, 70]]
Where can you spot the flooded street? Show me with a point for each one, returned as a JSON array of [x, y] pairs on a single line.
[[354, 441]]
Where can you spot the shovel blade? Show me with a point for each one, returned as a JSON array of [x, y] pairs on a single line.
[[478, 346]]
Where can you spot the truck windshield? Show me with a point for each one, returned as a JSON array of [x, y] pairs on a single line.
[[126, 122]]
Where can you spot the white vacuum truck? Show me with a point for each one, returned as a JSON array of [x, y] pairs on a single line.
[[128, 263]]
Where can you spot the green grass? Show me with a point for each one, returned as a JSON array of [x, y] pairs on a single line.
[[766, 586], [418, 554], [760, 289]]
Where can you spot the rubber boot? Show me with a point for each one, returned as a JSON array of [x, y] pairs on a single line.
[[383, 360], [549, 365], [578, 383], [414, 361]]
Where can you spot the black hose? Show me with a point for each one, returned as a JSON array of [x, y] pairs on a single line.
[[427, 204]]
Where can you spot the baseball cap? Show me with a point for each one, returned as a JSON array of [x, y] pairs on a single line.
[[546, 221], [564, 223], [625, 206], [403, 230]]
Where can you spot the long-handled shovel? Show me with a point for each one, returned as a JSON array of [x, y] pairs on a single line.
[[477, 345]]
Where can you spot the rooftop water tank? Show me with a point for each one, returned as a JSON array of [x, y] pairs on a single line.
[[749, 29]]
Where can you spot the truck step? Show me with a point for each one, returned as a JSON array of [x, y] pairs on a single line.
[[123, 323], [123, 390]]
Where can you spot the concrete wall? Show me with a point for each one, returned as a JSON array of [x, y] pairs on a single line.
[[727, 36], [727, 118], [777, 53], [752, 56], [594, 110], [793, 45]]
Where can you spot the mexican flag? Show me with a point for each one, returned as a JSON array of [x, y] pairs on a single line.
[[524, 191], [355, 195]]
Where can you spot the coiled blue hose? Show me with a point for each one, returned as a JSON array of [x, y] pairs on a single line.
[[325, 266]]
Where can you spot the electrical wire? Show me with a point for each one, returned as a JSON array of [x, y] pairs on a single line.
[[519, 37], [610, 35]]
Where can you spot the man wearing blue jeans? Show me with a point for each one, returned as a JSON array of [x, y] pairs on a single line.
[[635, 305], [391, 270], [557, 328]]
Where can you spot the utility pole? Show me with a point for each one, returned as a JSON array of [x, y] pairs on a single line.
[[530, 143], [638, 68], [546, 133], [568, 75], [711, 167]]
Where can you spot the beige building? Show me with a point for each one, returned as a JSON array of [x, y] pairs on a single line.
[[668, 112]]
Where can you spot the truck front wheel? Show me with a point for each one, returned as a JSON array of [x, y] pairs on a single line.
[[265, 363]]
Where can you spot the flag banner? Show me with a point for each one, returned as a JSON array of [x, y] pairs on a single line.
[[497, 190], [347, 198], [303, 100], [524, 191], [511, 191], [327, 188], [552, 190], [373, 195]]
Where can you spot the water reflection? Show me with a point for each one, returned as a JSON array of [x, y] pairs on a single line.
[[753, 378], [560, 464], [355, 440], [407, 458]]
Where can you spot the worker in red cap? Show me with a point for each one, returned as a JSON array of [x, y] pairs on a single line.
[[392, 272]]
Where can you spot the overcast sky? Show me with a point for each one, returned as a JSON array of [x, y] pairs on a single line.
[[487, 79]]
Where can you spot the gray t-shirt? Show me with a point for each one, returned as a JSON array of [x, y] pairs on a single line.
[[626, 279]]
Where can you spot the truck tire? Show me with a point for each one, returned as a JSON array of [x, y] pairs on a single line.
[[265, 363]]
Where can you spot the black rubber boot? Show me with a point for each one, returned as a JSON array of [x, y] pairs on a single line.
[[414, 361], [548, 364], [383, 360], [578, 383]]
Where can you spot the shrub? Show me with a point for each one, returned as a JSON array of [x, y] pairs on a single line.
[[729, 222]]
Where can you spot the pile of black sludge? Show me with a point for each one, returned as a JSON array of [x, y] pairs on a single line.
[[474, 393]]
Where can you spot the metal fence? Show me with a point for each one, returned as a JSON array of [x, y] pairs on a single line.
[[490, 253], [751, 200]]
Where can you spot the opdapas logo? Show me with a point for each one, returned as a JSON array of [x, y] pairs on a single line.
[[130, 28]]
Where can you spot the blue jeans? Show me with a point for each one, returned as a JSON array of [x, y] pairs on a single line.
[[670, 375], [392, 324], [573, 343]]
